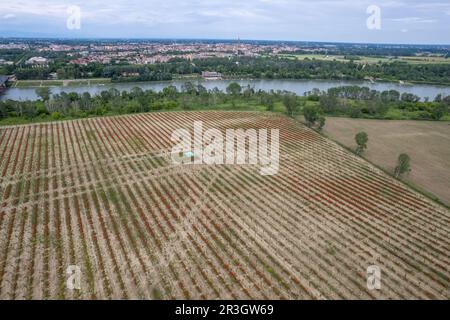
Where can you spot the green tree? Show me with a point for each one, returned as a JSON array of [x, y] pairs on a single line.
[[376, 106], [403, 165], [268, 101], [132, 107], [248, 91], [234, 89], [409, 97], [438, 111], [44, 93], [314, 115], [86, 101], [40, 108], [186, 102], [291, 104], [201, 89], [29, 110], [188, 87], [354, 111], [135, 93], [361, 139], [170, 92], [329, 103], [3, 111], [390, 96], [321, 122]]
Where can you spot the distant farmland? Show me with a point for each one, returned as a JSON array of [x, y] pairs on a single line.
[[371, 59], [102, 195]]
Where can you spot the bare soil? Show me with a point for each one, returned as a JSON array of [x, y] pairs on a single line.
[[426, 142]]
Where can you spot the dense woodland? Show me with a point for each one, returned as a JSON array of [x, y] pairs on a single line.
[[352, 101]]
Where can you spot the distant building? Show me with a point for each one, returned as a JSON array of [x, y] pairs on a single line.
[[37, 62], [211, 75], [130, 74], [53, 76], [6, 63], [81, 61]]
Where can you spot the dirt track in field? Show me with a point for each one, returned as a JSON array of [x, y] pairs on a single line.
[[426, 142], [101, 194]]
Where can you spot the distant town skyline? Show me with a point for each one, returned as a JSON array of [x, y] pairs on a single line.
[[402, 21]]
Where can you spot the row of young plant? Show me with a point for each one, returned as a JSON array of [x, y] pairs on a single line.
[[307, 232]]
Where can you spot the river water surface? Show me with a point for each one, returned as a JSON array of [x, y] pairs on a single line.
[[297, 86]]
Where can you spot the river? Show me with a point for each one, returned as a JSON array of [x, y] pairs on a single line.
[[297, 86]]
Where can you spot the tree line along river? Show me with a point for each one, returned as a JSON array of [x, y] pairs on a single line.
[[297, 86]]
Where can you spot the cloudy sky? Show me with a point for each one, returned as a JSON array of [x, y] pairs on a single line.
[[402, 21]]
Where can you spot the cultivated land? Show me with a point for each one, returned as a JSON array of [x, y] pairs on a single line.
[[101, 194], [371, 59], [426, 142]]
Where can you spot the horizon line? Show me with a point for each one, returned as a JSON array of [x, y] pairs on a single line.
[[217, 39]]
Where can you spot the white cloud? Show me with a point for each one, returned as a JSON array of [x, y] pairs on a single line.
[[324, 20], [9, 16], [414, 20], [392, 4], [432, 5], [45, 8]]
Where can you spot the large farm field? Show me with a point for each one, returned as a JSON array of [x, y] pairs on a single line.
[[426, 142], [102, 194]]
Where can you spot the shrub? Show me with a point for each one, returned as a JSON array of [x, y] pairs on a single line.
[[56, 116]]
